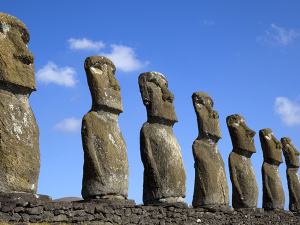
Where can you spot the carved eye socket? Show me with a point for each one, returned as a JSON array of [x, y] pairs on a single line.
[[24, 35], [209, 102], [4, 27], [153, 80], [200, 100]]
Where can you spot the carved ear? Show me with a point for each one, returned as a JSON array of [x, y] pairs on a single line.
[[143, 88]]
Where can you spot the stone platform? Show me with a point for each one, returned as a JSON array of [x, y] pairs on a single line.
[[108, 213]]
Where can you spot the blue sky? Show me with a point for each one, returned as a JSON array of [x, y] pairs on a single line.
[[245, 54]]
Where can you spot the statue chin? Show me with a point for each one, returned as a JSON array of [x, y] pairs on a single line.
[[209, 138]]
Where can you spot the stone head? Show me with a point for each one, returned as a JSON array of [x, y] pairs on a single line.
[[156, 96], [241, 135], [16, 61], [290, 153], [207, 117], [271, 146], [104, 87]]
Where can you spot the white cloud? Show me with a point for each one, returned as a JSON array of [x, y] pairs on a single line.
[[208, 22], [85, 44], [124, 58], [279, 36], [68, 125], [61, 76], [288, 110]]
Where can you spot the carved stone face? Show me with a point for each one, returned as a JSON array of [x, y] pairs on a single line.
[[104, 87], [241, 135], [208, 119], [156, 96], [16, 61], [270, 145], [290, 153]]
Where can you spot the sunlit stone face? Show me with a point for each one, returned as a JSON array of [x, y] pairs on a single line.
[[16, 61], [156, 96], [270, 145], [241, 135], [290, 152], [104, 87], [207, 117]]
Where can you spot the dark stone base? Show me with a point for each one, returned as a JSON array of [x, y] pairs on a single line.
[[23, 197], [216, 208], [67, 199], [245, 210], [111, 202], [169, 204], [91, 213]]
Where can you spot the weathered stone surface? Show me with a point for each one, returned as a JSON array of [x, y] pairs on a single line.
[[181, 205], [24, 197], [273, 194], [291, 156], [111, 202], [211, 187], [164, 172], [242, 175], [19, 133], [105, 170]]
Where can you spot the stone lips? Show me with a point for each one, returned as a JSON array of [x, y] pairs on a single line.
[[273, 194], [211, 187], [164, 172], [242, 175], [19, 133], [105, 170]]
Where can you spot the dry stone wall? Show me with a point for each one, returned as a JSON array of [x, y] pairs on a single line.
[[168, 213]]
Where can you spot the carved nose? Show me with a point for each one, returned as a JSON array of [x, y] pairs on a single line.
[[278, 145], [215, 114], [252, 133], [249, 132], [167, 95], [25, 58], [21, 52]]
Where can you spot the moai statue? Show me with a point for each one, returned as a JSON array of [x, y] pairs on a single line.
[[211, 187], [273, 194], [242, 175], [105, 170], [19, 133], [164, 172], [291, 156]]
